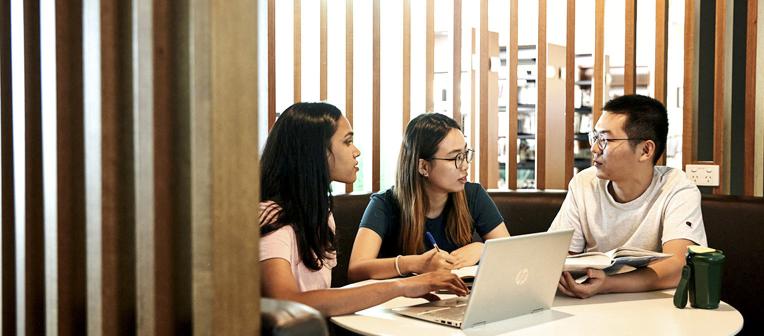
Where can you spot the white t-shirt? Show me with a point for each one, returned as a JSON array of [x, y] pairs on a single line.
[[669, 209], [282, 243]]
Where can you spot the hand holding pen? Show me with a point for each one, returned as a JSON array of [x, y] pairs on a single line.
[[435, 259]]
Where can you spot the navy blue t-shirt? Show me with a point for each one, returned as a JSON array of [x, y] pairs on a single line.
[[382, 215]]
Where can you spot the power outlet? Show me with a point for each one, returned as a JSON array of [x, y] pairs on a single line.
[[703, 175]]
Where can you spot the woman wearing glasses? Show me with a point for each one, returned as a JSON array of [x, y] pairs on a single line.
[[310, 145], [431, 198]]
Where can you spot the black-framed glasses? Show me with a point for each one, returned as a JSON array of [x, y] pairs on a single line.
[[601, 141], [460, 158]]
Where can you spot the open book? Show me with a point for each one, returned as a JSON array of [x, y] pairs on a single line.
[[613, 260]]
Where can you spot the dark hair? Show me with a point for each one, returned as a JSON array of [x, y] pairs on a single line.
[[423, 134], [646, 118], [294, 172]]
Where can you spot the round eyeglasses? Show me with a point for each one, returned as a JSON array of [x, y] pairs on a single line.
[[599, 139], [460, 158]]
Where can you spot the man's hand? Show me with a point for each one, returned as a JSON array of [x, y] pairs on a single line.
[[592, 286]]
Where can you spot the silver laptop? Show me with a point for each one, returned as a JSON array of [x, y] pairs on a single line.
[[517, 276]]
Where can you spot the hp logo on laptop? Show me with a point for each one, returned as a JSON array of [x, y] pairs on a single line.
[[521, 277]]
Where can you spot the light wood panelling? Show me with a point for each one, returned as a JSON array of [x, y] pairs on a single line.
[[27, 120], [429, 54], [349, 61], [599, 59], [661, 56], [630, 47], [349, 69], [473, 103], [512, 97], [223, 96], [721, 98], [271, 63], [456, 70], [8, 235], [406, 108], [297, 43], [63, 167], [689, 98], [375, 99], [109, 168], [750, 97], [323, 75], [661, 48], [483, 93], [541, 97], [570, 78]]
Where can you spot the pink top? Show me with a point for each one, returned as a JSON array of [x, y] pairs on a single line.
[[282, 243]]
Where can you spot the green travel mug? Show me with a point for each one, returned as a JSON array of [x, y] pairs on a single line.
[[701, 278]]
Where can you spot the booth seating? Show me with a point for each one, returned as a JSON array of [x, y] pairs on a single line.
[[733, 224]]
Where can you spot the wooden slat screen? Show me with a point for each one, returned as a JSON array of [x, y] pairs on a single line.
[[375, 98], [97, 97], [599, 61], [8, 228], [406, 108], [512, 100], [349, 69], [630, 47], [541, 76], [570, 66], [456, 96], [297, 49], [272, 62], [482, 90], [750, 98], [689, 87]]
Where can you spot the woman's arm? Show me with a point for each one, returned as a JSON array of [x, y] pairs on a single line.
[[364, 263], [278, 283], [469, 254]]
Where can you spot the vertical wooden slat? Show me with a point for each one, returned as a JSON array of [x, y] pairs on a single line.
[[152, 148], [271, 63], [223, 98], [570, 77], [375, 99], [483, 92], [8, 229], [630, 48], [349, 69], [406, 108], [109, 168], [297, 42], [512, 97], [541, 99], [720, 99], [599, 59], [661, 49], [429, 54], [661, 55], [63, 166], [750, 98], [30, 281], [456, 83], [473, 111], [689, 84], [323, 42]]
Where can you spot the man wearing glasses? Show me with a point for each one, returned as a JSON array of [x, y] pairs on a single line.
[[624, 199]]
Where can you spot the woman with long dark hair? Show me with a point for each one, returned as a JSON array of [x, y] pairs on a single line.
[[311, 145], [432, 198]]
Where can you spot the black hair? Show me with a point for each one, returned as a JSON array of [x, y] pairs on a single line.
[[646, 118], [294, 172]]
